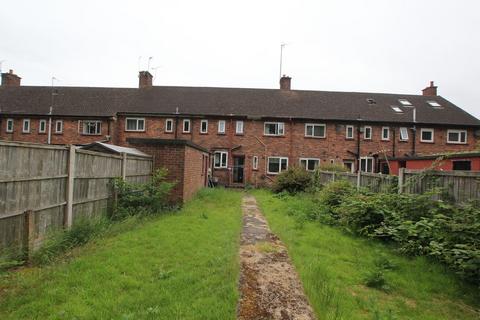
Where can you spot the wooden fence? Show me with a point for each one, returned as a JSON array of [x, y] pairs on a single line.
[[45, 187], [460, 186]]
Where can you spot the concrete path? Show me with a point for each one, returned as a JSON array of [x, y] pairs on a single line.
[[269, 285]]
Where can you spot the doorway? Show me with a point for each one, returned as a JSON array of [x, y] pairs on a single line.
[[238, 168]]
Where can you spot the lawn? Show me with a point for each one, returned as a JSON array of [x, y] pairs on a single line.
[[333, 267], [181, 265]]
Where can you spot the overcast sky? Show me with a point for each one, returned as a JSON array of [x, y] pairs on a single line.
[[369, 46]]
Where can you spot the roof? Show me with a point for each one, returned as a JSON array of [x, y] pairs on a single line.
[[468, 154], [205, 101], [168, 142], [111, 148]]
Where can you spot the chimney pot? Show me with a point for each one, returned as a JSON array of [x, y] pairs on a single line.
[[431, 90], [285, 83], [10, 79], [145, 79]]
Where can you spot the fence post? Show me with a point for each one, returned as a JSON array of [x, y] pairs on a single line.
[[401, 178], [359, 177], [70, 182], [28, 232], [124, 165], [333, 176]]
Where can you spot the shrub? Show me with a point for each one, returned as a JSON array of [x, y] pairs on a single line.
[[295, 179], [334, 193], [334, 167]]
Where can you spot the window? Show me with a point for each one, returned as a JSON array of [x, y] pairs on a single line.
[[9, 125], [221, 126], [220, 159], [349, 164], [366, 164], [426, 135], [255, 163], [464, 165], [92, 127], [404, 102], [58, 126], [403, 134], [186, 125], [314, 130], [434, 103], [239, 127], [349, 132], [135, 124], [367, 133], [397, 109], [457, 136], [277, 165], [26, 126], [204, 126], [309, 164], [385, 133], [274, 129], [42, 126], [169, 125]]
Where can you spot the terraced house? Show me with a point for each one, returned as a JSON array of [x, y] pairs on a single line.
[[251, 134]]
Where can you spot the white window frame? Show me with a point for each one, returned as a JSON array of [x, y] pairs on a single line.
[[40, 126], [57, 123], [405, 102], [279, 165], [279, 128], [387, 138], [434, 103], [365, 133], [239, 127], [26, 122], [201, 126], [255, 163], [346, 132], [431, 130], [222, 165], [403, 137], [397, 109], [459, 136], [313, 125], [185, 122], [366, 159], [98, 126], [307, 160], [10, 126], [137, 121], [352, 170], [221, 126], [167, 121]]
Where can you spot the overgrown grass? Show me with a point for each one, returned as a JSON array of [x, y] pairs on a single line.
[[346, 277], [181, 265]]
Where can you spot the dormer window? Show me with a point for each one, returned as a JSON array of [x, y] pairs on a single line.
[[405, 102]]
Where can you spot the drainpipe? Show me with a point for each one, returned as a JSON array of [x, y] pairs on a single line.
[[394, 141], [358, 147], [414, 138]]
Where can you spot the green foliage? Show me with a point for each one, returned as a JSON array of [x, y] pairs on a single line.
[[376, 279], [333, 167], [145, 198], [295, 179]]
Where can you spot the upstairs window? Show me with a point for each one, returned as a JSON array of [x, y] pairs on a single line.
[[186, 126], [204, 126], [385, 133], [397, 109], [277, 165], [169, 125], [9, 128], [239, 127], [220, 159], [349, 132], [58, 126], [315, 130], [26, 126], [274, 129], [90, 127], [309, 164], [457, 136], [135, 124], [426, 135], [434, 103], [367, 133], [221, 126], [405, 102], [403, 133], [42, 126]]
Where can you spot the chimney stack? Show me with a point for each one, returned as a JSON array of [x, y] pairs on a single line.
[[144, 79], [285, 82], [430, 91], [10, 79]]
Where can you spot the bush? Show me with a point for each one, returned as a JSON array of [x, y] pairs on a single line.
[[295, 179], [333, 167]]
